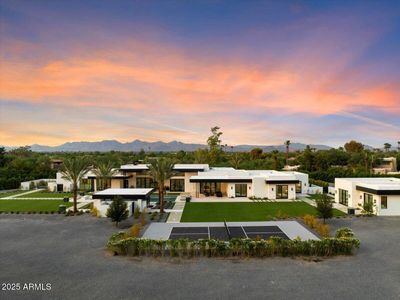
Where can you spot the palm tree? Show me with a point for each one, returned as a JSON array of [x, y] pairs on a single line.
[[387, 146], [287, 144], [161, 170], [104, 172], [73, 170], [275, 158]]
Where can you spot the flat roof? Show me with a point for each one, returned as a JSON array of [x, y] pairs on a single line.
[[376, 185], [124, 193], [177, 167]]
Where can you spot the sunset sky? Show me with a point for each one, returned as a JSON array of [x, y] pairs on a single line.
[[264, 71]]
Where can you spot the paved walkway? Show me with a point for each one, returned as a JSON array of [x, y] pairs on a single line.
[[26, 193], [175, 214]]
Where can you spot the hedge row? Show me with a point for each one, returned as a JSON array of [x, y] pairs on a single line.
[[275, 246]]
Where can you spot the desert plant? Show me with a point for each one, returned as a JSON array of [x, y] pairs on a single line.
[[143, 219], [134, 231], [136, 212], [95, 212], [118, 210]]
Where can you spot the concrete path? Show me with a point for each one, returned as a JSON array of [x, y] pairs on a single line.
[[176, 213], [26, 193]]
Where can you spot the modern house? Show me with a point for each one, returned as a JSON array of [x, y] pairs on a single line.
[[382, 192], [201, 180], [388, 165]]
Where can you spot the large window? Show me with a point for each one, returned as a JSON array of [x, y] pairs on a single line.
[[241, 190], [210, 188], [298, 187], [343, 197], [144, 182], [367, 199], [177, 185], [282, 192], [383, 202]]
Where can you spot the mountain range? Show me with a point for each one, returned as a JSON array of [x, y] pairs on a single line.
[[138, 145]]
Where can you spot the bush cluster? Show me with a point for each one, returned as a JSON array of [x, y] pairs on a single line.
[[275, 246]]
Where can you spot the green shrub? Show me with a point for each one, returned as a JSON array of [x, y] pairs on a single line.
[[344, 232], [275, 246]]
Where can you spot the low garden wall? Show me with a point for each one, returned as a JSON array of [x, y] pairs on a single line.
[[342, 244]]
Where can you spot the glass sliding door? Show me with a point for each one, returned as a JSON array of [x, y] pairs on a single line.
[[282, 192], [210, 188], [177, 185], [144, 182], [241, 190], [343, 197]]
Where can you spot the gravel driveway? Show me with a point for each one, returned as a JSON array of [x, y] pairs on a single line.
[[68, 253]]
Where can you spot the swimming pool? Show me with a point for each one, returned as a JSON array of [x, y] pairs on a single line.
[[167, 197]]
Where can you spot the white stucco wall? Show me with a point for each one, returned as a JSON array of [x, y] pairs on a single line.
[[259, 187], [393, 206], [103, 205]]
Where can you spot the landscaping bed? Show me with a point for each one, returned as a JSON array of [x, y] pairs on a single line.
[[37, 206], [257, 211], [343, 244]]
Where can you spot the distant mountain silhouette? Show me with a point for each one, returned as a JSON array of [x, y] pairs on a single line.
[[137, 145]]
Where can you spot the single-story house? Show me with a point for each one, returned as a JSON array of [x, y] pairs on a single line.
[[382, 192], [201, 180]]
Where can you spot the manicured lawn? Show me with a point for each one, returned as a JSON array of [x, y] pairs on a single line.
[[44, 194], [3, 195], [31, 205], [217, 212]]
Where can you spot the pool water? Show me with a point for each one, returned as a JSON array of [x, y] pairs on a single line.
[[167, 197]]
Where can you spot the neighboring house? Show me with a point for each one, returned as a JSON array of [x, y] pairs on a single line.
[[50, 184], [383, 193], [56, 164], [200, 180], [388, 165]]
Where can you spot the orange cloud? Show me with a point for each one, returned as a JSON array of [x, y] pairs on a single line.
[[147, 77]]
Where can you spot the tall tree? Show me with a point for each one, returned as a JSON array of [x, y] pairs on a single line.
[[161, 169], [353, 146], [256, 153], [104, 172], [387, 146], [287, 145], [307, 159], [73, 170], [214, 144]]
